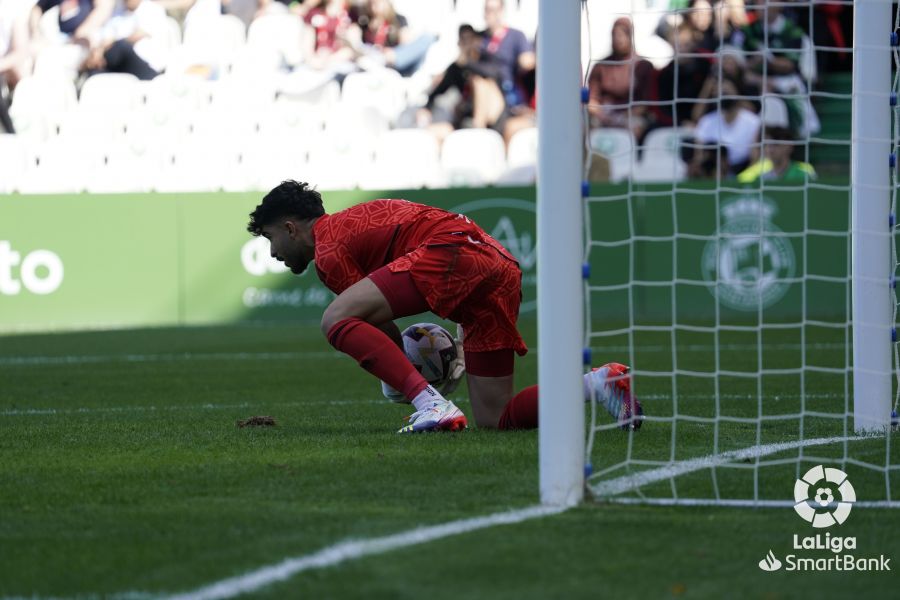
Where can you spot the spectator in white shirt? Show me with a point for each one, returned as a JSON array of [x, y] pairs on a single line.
[[730, 125]]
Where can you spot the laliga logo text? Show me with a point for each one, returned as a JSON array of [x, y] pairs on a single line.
[[40, 271], [815, 495]]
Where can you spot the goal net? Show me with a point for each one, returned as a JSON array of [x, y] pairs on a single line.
[[736, 261]]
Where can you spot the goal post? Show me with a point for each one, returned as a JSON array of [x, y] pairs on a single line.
[[871, 219], [559, 226]]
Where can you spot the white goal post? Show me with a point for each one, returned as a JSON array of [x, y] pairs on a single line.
[[559, 226], [871, 226]]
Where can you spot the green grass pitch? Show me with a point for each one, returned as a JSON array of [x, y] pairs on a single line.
[[123, 474]]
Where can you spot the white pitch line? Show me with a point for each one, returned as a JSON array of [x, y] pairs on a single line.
[[24, 361], [14, 412], [627, 483], [353, 549]]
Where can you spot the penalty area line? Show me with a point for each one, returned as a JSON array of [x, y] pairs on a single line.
[[353, 549]]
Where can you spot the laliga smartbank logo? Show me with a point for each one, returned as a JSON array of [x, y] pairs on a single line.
[[824, 497], [38, 272], [826, 482]]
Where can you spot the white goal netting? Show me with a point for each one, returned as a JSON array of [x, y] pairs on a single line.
[[719, 249]]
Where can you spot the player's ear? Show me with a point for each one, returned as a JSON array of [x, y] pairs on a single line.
[[291, 228]]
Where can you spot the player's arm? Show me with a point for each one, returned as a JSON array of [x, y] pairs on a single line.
[[103, 10]]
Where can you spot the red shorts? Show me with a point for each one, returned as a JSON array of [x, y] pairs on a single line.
[[470, 283]]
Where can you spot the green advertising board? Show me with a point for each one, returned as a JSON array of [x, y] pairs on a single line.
[[656, 256]]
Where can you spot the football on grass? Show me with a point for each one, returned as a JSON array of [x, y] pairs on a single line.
[[431, 350]]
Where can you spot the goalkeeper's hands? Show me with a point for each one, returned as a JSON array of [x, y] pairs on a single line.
[[457, 369]]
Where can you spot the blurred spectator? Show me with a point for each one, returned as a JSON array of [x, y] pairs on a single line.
[[333, 26], [731, 126], [618, 80], [388, 40], [776, 164], [186, 11], [80, 25], [15, 58], [468, 94], [729, 16], [730, 66], [681, 81], [142, 25], [773, 45], [511, 50]]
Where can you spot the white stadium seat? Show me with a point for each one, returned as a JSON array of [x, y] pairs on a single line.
[[473, 157], [404, 159], [129, 165], [286, 35], [338, 164], [267, 160], [40, 103], [13, 157], [383, 89], [661, 158], [111, 91], [617, 146], [61, 167], [198, 164], [291, 118], [521, 158]]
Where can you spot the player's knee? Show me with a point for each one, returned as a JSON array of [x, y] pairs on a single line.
[[331, 317]]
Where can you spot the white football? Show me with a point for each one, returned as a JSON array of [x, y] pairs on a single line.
[[431, 350]]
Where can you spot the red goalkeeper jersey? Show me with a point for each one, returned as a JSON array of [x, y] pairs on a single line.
[[354, 242]]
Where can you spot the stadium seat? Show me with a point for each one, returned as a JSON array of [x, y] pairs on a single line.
[[40, 103], [212, 42], [199, 164], [521, 158], [217, 121], [13, 157], [285, 34], [244, 93], [473, 157], [63, 60], [404, 159], [111, 91], [383, 90], [86, 122], [177, 92], [291, 118], [523, 148], [269, 159], [425, 16], [617, 146], [130, 165], [61, 167], [360, 124], [309, 88], [337, 164], [661, 158]]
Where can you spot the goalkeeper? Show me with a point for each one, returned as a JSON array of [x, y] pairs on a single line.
[[388, 259]]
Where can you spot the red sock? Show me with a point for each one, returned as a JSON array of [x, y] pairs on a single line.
[[378, 354], [522, 411]]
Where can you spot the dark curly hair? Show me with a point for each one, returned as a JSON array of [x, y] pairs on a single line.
[[288, 199]]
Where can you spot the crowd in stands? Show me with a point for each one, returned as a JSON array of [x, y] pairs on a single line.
[[730, 86]]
